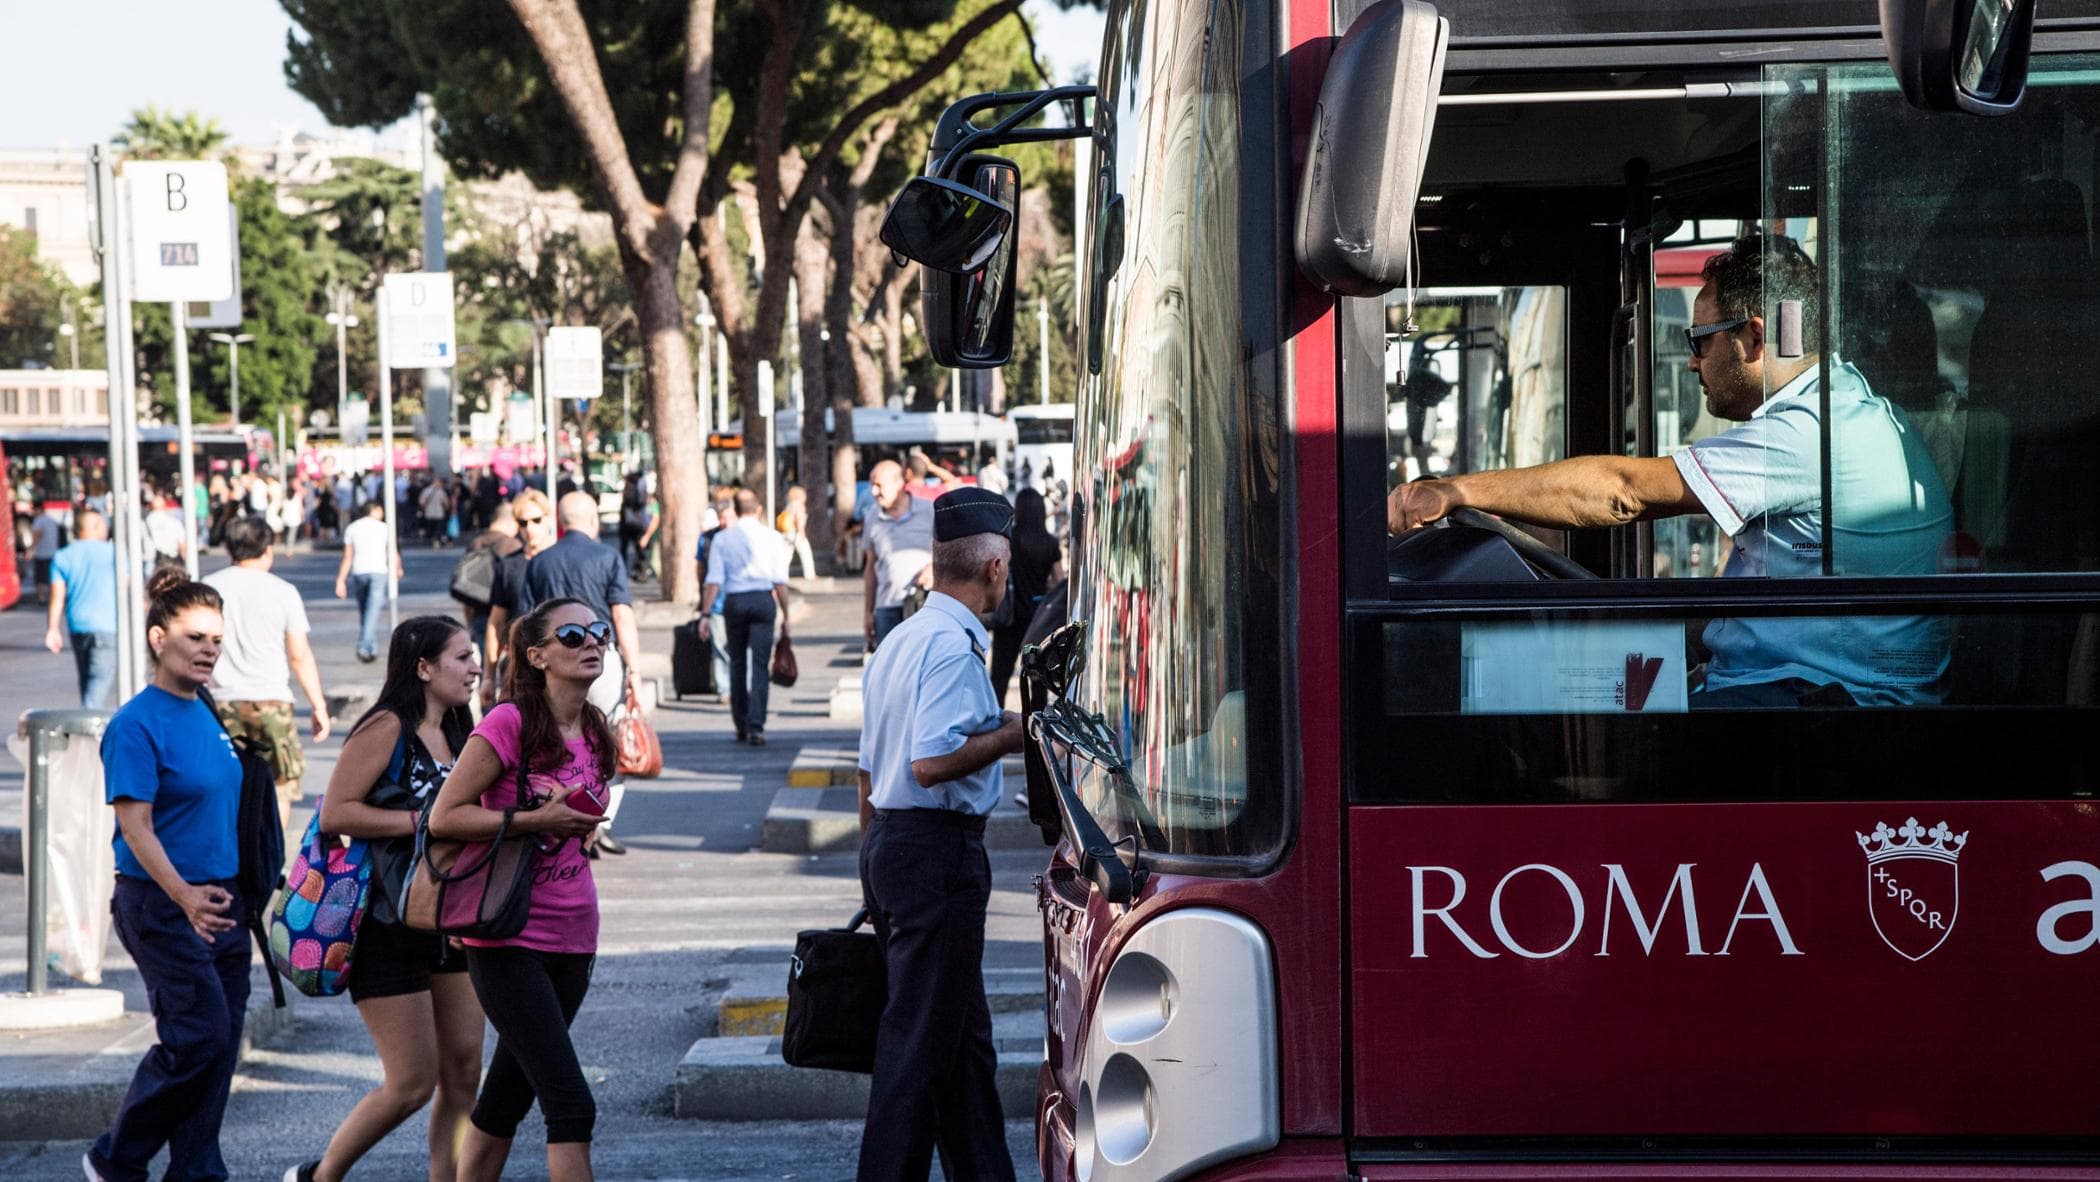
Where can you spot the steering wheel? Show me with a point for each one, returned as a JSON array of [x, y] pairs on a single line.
[[1530, 549]]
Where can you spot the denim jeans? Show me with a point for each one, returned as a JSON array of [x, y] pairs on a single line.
[[95, 659], [886, 619], [370, 593]]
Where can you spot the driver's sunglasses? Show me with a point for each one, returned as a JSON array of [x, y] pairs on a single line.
[[1696, 336], [573, 635]]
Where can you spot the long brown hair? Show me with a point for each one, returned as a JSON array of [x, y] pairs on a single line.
[[539, 735]]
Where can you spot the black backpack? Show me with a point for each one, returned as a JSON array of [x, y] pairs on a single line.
[[261, 837], [474, 576]]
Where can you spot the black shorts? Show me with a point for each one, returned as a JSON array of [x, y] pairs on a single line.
[[391, 960]]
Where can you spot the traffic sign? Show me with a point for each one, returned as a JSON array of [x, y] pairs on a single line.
[[575, 362], [419, 321], [181, 239], [224, 313]]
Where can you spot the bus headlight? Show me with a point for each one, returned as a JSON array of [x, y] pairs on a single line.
[[1180, 1070]]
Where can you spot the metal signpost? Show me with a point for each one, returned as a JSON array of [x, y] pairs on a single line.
[[181, 250], [415, 332], [575, 369], [765, 418], [126, 527]]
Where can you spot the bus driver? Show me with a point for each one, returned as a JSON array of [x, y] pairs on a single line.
[[1761, 482]]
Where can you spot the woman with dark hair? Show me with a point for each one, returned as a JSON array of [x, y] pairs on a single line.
[[544, 759], [171, 773], [1035, 559], [410, 987]]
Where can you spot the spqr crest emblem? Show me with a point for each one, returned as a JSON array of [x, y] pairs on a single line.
[[1913, 884]]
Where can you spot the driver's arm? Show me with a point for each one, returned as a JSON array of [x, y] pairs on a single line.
[[1584, 491]]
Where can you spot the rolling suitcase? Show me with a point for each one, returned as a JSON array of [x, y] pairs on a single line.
[[692, 662]]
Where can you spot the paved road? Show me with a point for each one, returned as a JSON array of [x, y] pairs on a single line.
[[693, 897]]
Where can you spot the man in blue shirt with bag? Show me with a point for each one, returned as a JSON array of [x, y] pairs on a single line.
[[931, 739]]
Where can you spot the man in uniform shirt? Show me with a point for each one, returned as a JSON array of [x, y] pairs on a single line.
[[930, 745]]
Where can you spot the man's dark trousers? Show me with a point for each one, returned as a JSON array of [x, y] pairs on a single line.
[[199, 996], [928, 883], [748, 615]]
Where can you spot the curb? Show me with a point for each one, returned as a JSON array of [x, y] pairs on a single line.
[[74, 1097], [744, 1079], [755, 1004], [827, 820]]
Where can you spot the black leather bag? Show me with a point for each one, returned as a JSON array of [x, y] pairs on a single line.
[[837, 987]]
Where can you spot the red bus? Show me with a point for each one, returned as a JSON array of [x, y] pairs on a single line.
[[1417, 857]]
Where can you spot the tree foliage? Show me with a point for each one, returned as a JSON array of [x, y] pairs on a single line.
[[36, 300], [154, 134]]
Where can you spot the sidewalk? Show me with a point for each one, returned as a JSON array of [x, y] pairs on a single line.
[[698, 922]]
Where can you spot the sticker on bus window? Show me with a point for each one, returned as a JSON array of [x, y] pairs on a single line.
[[1571, 667]]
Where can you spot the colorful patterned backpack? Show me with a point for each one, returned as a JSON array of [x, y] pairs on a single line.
[[313, 925]]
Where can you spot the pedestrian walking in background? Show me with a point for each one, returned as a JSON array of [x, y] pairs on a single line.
[[170, 771], [534, 516], [899, 540], [635, 522], [410, 987], [363, 573], [793, 524], [474, 575], [435, 503], [164, 537], [578, 566], [748, 564], [48, 533], [265, 649], [716, 634], [84, 607], [1035, 558], [548, 741], [930, 745]]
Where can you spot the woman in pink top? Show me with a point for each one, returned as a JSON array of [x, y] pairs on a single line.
[[548, 743]]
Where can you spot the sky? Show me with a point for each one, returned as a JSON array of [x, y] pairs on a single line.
[[77, 68]]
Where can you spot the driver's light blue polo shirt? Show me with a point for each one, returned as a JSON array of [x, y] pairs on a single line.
[[925, 692], [1761, 481]]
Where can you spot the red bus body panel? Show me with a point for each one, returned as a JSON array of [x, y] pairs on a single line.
[[1805, 991]]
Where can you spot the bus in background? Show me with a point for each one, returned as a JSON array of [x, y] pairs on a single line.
[[1422, 856], [1042, 455]]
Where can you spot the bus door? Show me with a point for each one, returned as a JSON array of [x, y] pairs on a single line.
[[1801, 860]]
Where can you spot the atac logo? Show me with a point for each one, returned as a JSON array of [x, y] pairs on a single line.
[[1913, 884]]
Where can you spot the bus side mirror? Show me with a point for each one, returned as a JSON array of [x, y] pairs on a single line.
[[945, 226], [1370, 141], [969, 314], [1959, 55]]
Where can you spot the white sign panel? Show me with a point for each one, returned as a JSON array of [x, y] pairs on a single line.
[[575, 362], [181, 231], [1573, 667], [419, 321], [226, 313], [485, 428], [521, 419]]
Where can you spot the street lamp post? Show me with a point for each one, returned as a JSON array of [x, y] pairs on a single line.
[[233, 343], [72, 336], [343, 321]]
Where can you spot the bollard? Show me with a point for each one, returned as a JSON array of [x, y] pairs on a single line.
[[43, 727]]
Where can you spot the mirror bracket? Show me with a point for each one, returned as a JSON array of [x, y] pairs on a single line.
[[957, 135]]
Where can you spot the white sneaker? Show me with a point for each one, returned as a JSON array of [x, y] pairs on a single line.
[[87, 1164]]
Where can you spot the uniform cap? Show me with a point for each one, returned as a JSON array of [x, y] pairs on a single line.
[[967, 512]]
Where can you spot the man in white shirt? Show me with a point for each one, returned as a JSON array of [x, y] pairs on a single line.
[[265, 648], [164, 532], [748, 564], [364, 572]]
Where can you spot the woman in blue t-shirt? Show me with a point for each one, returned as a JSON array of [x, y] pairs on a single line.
[[171, 773]]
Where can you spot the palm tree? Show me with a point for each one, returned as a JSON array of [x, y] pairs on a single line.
[[154, 134]]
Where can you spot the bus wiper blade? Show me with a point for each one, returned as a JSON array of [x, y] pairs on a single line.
[[1091, 738], [1098, 856]]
